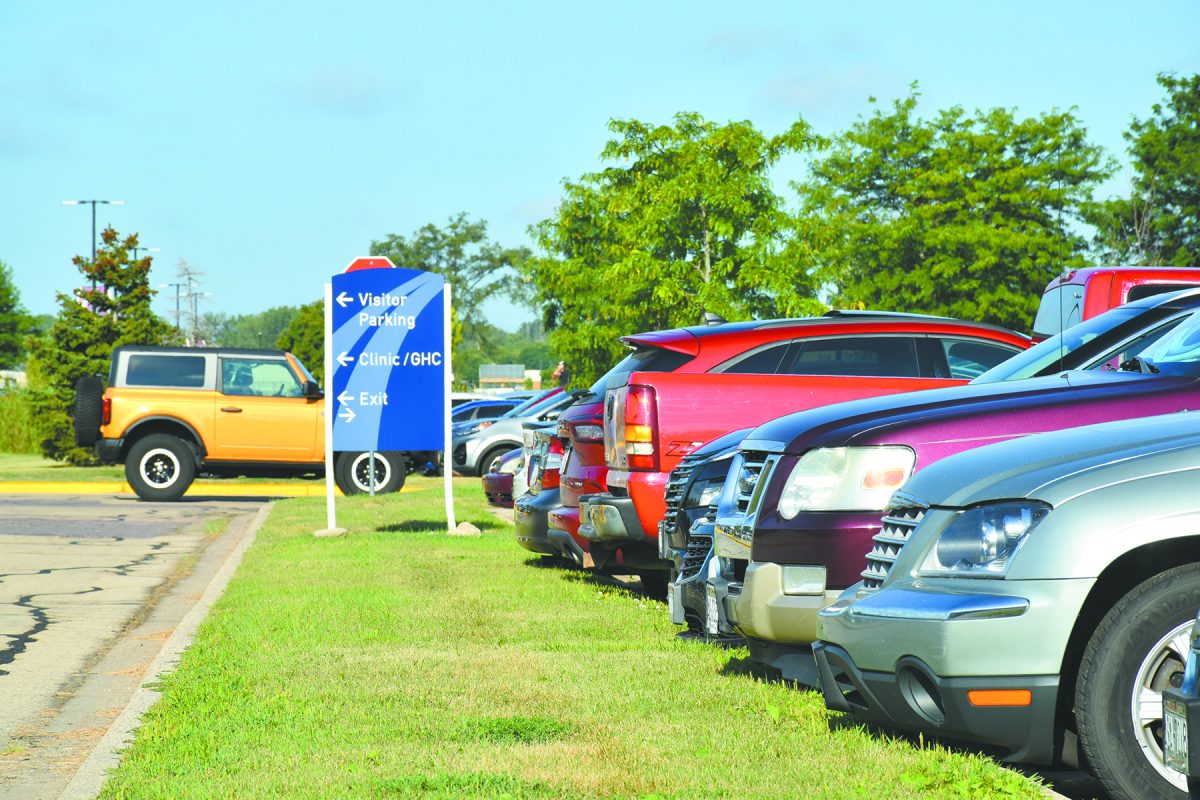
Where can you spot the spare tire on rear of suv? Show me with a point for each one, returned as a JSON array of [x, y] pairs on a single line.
[[89, 402]]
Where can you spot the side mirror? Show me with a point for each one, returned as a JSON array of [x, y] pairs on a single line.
[[311, 389]]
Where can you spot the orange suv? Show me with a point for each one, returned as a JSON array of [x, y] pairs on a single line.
[[172, 413]]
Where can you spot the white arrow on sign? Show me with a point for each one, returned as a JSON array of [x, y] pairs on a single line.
[[347, 414], [343, 299], [345, 360], [344, 399]]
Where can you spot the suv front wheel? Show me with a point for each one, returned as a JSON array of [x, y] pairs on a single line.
[[160, 467], [352, 472]]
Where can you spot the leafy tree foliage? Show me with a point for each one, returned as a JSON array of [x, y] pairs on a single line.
[[1159, 223], [477, 269], [305, 338], [966, 215], [15, 324], [260, 330], [91, 322], [683, 221]]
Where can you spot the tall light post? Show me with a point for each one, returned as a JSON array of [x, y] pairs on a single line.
[[93, 204]]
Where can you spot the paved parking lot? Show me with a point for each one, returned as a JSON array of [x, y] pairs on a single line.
[[90, 587]]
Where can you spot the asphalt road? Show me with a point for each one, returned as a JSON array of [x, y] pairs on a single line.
[[90, 588]]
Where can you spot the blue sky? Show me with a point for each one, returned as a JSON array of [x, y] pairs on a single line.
[[269, 143]]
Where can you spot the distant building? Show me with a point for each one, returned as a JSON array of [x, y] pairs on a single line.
[[502, 376]]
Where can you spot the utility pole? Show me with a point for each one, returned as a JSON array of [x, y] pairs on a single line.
[[93, 204], [191, 279]]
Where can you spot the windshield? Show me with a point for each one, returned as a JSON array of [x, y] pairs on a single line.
[[521, 409], [1177, 352], [545, 404], [1077, 347], [647, 359]]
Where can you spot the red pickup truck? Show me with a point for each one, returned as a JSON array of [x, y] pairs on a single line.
[[746, 373], [1085, 293]]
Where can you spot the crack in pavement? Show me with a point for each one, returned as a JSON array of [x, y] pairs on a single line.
[[22, 640]]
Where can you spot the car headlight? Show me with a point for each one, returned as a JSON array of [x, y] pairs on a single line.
[[473, 428], [981, 541], [845, 479]]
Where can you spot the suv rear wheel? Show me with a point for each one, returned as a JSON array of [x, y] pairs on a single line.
[[160, 467], [352, 472]]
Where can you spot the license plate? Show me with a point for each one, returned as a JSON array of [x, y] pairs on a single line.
[[1175, 733], [675, 604]]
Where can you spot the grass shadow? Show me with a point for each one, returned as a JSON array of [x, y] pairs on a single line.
[[608, 582], [412, 526]]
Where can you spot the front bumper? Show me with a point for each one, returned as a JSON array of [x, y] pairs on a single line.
[[531, 515], [610, 520], [764, 611], [916, 698]]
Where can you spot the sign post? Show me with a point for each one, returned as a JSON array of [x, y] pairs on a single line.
[[387, 364]]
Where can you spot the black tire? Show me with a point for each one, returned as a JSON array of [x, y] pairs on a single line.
[[655, 583], [160, 467], [492, 455], [352, 475], [1138, 649], [89, 403]]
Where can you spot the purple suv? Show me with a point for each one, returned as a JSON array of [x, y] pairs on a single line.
[[806, 490]]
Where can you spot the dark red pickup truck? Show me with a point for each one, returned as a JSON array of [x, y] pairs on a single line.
[[746, 373]]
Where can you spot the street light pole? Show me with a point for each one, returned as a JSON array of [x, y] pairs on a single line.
[[93, 203], [135, 249]]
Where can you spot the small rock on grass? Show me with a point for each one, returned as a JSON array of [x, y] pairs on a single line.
[[466, 529]]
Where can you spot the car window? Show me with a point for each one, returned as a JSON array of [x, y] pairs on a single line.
[[463, 414], [643, 359], [1059, 309], [870, 356], [183, 372], [764, 360], [968, 358], [1073, 346], [250, 377], [1174, 351]]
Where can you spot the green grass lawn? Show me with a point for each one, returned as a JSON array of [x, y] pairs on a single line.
[[35, 468], [402, 662]]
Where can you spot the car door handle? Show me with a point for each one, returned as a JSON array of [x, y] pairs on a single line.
[[232, 409]]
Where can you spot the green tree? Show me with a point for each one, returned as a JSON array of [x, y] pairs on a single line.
[[15, 323], [684, 220], [476, 268], [259, 330], [966, 215], [305, 338], [1159, 223], [90, 323]]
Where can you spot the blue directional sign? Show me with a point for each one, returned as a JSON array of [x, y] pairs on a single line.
[[389, 361]]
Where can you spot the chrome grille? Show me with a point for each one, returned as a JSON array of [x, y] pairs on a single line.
[[693, 558], [899, 520], [752, 471], [677, 484]]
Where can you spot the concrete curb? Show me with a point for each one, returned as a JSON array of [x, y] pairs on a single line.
[[89, 778]]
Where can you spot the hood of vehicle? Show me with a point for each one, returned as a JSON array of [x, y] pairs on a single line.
[[943, 421], [1057, 466]]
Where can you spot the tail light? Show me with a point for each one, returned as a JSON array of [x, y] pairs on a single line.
[[640, 428], [105, 410]]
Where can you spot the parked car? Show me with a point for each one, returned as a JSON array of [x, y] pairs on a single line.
[[807, 489], [1081, 294], [498, 480], [482, 409], [685, 535], [743, 374], [1031, 595], [543, 453], [476, 443], [170, 414]]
